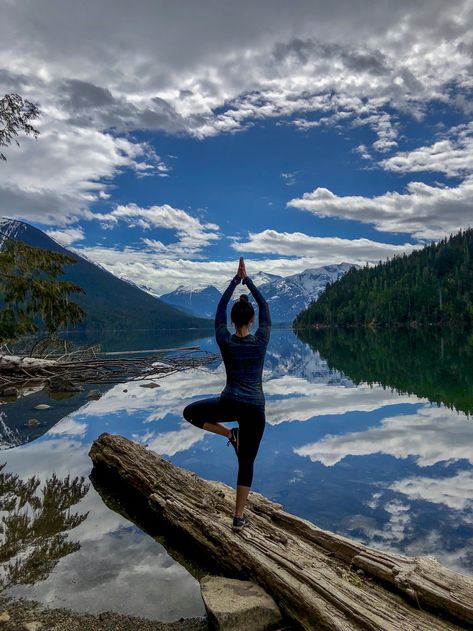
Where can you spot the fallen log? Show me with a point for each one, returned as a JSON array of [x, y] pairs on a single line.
[[310, 572], [20, 372]]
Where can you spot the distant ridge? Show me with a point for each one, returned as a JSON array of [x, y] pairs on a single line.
[[286, 295], [110, 302]]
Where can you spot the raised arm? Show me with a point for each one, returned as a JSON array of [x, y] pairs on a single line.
[[221, 331], [264, 318]]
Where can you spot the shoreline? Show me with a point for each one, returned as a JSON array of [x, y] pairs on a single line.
[[21, 612]]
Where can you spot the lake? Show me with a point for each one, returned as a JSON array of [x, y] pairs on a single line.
[[368, 435]]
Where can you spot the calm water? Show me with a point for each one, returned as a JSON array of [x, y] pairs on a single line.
[[368, 435]]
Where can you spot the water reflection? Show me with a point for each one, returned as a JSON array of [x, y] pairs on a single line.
[[433, 363], [389, 468], [16, 427], [34, 526], [115, 566]]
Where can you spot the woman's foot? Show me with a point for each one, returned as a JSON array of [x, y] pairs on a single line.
[[234, 439], [239, 522]]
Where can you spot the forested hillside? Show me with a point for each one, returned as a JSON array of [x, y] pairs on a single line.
[[109, 302], [432, 285]]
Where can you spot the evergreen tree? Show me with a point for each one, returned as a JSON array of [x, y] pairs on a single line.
[[16, 114], [429, 286], [30, 290], [29, 285]]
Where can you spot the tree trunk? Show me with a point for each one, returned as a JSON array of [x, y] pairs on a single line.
[[310, 572], [9, 363]]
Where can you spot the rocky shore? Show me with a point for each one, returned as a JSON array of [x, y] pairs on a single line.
[[24, 615]]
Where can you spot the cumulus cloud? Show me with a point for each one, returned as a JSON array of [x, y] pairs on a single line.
[[193, 235], [235, 63], [162, 273], [103, 70], [452, 155], [162, 267], [424, 211], [68, 236], [431, 435], [54, 180], [326, 249]]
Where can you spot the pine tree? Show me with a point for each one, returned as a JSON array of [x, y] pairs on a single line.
[[31, 292], [16, 114]]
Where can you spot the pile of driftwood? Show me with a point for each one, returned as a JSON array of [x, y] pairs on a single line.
[[17, 372], [319, 579]]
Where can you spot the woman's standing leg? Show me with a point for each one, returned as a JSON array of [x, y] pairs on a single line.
[[208, 414], [251, 420]]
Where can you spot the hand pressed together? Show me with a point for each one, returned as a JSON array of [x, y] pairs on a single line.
[[241, 269]]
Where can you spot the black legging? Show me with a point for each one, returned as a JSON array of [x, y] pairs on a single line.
[[250, 418]]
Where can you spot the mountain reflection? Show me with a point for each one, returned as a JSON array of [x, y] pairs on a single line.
[[432, 363], [34, 526]]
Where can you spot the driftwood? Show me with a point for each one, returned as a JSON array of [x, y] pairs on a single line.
[[320, 580], [22, 372]]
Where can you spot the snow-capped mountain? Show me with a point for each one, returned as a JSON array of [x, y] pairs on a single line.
[[286, 295], [289, 295], [10, 229], [202, 301]]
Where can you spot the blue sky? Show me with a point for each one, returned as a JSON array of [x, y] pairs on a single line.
[[174, 141]]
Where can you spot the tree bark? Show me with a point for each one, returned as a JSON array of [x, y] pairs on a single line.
[[310, 572]]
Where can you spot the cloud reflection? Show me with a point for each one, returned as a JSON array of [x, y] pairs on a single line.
[[455, 492], [430, 435]]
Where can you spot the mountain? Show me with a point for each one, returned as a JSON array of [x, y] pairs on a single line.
[[432, 285], [110, 302], [261, 278], [201, 302], [289, 295], [286, 295]]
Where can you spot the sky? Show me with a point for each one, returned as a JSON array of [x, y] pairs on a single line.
[[177, 136]]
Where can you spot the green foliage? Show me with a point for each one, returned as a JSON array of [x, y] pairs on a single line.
[[30, 290], [432, 285], [15, 116]]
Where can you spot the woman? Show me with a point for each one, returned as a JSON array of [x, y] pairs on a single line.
[[242, 399]]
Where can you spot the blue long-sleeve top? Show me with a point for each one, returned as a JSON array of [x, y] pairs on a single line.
[[243, 356]]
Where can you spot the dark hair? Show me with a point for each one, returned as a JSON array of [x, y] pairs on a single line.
[[242, 312]]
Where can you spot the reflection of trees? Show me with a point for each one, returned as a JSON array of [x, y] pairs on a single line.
[[432, 363], [34, 526]]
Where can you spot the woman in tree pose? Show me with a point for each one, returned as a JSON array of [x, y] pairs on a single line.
[[242, 399]]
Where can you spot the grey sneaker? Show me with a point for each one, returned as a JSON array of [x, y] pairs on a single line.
[[239, 523], [234, 439]]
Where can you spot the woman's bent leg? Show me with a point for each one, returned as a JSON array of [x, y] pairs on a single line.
[[207, 414]]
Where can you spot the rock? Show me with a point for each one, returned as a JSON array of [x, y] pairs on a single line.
[[42, 406], [10, 391], [151, 384], [32, 422], [234, 605], [59, 384], [125, 390], [35, 625], [4, 616], [94, 394]]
